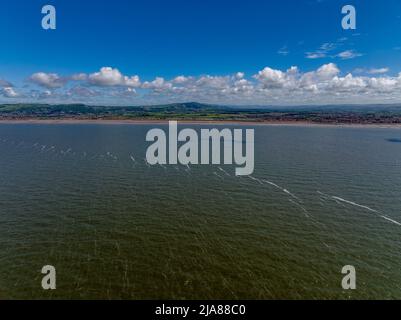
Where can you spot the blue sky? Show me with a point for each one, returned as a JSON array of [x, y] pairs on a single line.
[[219, 49]]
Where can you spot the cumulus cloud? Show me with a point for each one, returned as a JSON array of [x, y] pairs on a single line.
[[274, 79], [239, 75], [9, 92], [48, 80], [213, 82], [180, 79], [347, 83], [158, 84], [327, 71], [108, 76], [325, 84]]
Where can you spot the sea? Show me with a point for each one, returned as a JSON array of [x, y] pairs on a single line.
[[81, 197]]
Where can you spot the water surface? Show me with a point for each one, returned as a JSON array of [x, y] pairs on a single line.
[[82, 198]]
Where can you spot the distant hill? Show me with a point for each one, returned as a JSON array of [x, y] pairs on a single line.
[[390, 114]]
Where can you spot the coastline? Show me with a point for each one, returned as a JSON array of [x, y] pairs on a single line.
[[196, 122]]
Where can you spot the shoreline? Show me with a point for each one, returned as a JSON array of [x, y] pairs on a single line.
[[195, 122]]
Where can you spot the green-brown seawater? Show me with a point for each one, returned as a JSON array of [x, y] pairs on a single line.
[[81, 197]]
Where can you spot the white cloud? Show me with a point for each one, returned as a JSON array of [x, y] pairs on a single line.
[[130, 91], [316, 55], [48, 80], [157, 84], [132, 82], [328, 50], [108, 76], [213, 82], [180, 79], [239, 75], [328, 46], [349, 54], [324, 50], [383, 84], [9, 92], [275, 79], [378, 71], [372, 71], [327, 71], [79, 77], [347, 83], [312, 80], [326, 84]]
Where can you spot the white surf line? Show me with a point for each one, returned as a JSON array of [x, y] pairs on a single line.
[[272, 184], [298, 205], [225, 172], [187, 169], [292, 195], [133, 160], [217, 175], [326, 245], [378, 213], [391, 220], [282, 189], [255, 179], [355, 204], [323, 194], [323, 197]]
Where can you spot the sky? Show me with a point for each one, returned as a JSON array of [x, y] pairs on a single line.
[[253, 52]]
